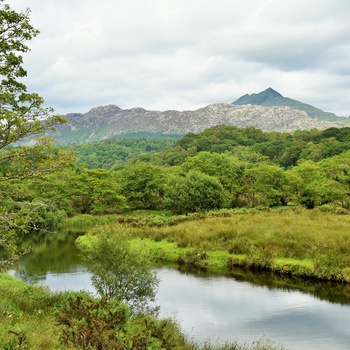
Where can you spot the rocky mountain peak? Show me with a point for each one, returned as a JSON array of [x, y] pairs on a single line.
[[259, 98], [104, 110], [269, 92], [271, 97], [267, 110]]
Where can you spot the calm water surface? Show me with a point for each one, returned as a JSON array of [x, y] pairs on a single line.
[[226, 308]]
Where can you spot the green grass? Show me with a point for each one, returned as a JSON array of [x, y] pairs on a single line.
[[306, 243], [87, 221], [289, 241], [28, 321]]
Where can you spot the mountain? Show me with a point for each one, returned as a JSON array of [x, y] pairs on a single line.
[[260, 98], [270, 97], [109, 121]]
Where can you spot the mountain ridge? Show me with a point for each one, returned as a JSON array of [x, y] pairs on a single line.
[[266, 110], [109, 121], [271, 97]]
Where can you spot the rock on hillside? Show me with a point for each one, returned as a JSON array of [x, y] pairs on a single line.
[[108, 121]]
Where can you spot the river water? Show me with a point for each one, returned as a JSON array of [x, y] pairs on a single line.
[[243, 306]]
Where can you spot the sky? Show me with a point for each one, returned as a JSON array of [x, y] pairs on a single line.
[[187, 54]]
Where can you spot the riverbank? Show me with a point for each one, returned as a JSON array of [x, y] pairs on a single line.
[[35, 318], [311, 244]]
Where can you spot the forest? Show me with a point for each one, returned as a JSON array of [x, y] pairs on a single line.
[[222, 167]]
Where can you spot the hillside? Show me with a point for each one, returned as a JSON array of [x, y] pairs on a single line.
[[109, 121], [270, 97]]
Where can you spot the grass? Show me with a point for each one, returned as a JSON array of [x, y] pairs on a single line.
[[84, 222], [307, 243], [28, 321]]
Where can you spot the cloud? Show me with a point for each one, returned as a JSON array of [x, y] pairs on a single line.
[[166, 54]]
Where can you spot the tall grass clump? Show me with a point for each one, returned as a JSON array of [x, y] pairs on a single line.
[[310, 243], [85, 222], [27, 320]]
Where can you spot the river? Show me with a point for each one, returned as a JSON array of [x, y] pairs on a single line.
[[243, 306]]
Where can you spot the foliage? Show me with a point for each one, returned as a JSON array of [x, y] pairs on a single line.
[[21, 115], [106, 324], [225, 167], [142, 185], [92, 323], [259, 169], [115, 153], [194, 192], [281, 148], [120, 272], [311, 185], [95, 191], [338, 169], [265, 184], [80, 191]]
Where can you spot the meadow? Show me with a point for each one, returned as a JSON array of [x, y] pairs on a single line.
[[312, 244]]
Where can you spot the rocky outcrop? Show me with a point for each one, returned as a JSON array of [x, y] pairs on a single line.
[[108, 121]]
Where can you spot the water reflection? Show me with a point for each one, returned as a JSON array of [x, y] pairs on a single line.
[[222, 308], [242, 306]]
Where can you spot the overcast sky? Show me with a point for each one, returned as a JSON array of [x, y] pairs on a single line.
[[186, 54]]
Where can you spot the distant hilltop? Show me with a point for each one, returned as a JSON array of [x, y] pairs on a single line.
[[109, 121], [267, 110], [270, 97]]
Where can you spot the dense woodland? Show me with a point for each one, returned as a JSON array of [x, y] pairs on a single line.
[[222, 167]]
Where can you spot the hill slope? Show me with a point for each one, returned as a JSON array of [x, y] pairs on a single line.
[[270, 97], [108, 121]]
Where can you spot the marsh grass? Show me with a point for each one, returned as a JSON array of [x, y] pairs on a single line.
[[27, 321], [86, 221], [309, 243]]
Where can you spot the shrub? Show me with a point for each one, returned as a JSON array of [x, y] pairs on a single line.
[[120, 272]]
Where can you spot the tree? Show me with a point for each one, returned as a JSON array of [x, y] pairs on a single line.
[[142, 185], [214, 164], [194, 192], [21, 112], [95, 192], [120, 271], [311, 186], [21, 115], [265, 184], [338, 169]]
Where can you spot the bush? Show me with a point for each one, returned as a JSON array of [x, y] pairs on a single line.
[[89, 323], [120, 272]]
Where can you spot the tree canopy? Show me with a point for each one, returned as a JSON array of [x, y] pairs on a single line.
[[21, 115], [21, 112]]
